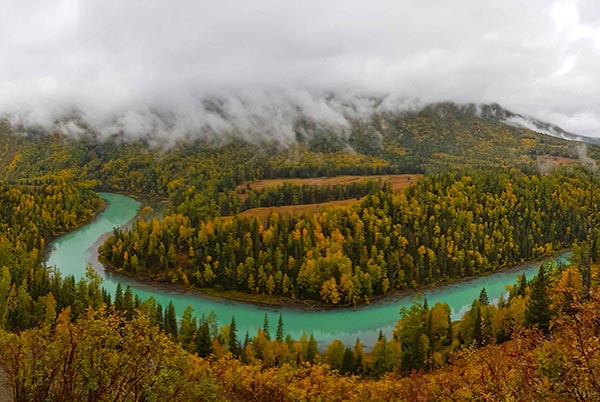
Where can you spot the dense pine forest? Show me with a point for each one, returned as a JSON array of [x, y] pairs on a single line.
[[503, 196]]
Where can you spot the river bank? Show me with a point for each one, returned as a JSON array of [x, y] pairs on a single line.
[[50, 239], [313, 305]]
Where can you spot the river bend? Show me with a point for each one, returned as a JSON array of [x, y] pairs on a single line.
[[73, 251]]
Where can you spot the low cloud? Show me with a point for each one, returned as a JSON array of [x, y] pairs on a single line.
[[197, 68]]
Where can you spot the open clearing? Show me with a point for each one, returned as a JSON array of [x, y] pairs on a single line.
[[398, 182], [263, 213], [547, 163]]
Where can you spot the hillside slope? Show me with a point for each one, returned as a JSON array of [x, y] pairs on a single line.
[[438, 138]]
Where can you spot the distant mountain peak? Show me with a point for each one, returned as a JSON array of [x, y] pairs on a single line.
[[495, 111]]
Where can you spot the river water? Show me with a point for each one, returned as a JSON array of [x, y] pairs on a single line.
[[72, 252]]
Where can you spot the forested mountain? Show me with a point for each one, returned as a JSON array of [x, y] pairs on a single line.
[[437, 138], [200, 176]]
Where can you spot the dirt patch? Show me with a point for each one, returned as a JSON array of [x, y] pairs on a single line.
[[263, 213], [547, 163], [398, 182]]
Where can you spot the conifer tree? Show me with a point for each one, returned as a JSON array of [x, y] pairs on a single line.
[[537, 311], [246, 340], [410, 331], [348, 362], [477, 324], [106, 298], [188, 329], [171, 320], [128, 303], [312, 350], [449, 334], [279, 335], [203, 342], [119, 305], [358, 357], [233, 343], [483, 298], [159, 316], [380, 365], [519, 288], [266, 327]]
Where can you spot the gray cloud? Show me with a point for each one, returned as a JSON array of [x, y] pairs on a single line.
[[150, 66]]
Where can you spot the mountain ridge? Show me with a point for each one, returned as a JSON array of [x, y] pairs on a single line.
[[437, 138], [280, 119]]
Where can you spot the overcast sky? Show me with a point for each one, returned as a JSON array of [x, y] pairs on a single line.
[[116, 60]]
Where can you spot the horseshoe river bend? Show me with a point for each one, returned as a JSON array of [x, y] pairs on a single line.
[[73, 251]]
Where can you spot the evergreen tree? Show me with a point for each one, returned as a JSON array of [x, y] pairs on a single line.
[[203, 342], [187, 328], [502, 302], [233, 343], [334, 355], [128, 303], [171, 320], [410, 331], [537, 312], [312, 350], [429, 337], [266, 327], [358, 357], [519, 288], [159, 317], [449, 334], [379, 356], [477, 324], [119, 305], [348, 362], [106, 298], [279, 335], [246, 340], [483, 298]]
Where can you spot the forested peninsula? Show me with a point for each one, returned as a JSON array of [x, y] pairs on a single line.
[[444, 227]]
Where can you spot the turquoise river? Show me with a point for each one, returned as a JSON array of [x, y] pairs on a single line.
[[72, 252]]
